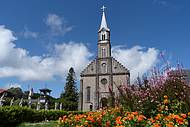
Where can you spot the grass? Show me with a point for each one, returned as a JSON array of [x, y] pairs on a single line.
[[41, 124]]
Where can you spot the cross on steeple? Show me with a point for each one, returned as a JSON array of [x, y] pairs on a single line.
[[103, 8]]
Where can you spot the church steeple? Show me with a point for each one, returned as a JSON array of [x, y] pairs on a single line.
[[103, 22], [104, 47]]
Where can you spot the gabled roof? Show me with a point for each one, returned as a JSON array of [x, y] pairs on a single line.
[[118, 67], [90, 69]]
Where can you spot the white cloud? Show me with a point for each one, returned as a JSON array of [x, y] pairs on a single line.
[[137, 59], [72, 54], [26, 33], [57, 25], [17, 62]]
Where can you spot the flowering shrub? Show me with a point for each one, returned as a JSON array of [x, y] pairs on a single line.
[[146, 94], [118, 117]]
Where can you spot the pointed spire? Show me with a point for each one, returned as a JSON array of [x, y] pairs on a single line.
[[103, 22]]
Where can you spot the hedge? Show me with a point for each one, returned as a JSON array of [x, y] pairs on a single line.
[[14, 115]]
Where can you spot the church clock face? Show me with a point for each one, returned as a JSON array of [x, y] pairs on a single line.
[[104, 81]]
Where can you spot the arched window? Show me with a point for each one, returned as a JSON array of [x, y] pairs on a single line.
[[104, 68], [88, 93], [103, 52]]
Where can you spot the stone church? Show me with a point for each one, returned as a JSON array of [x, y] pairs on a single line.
[[102, 74]]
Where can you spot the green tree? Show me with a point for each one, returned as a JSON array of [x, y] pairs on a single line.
[[70, 95], [15, 92]]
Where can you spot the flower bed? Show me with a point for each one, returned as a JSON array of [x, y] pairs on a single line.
[[117, 117], [163, 117]]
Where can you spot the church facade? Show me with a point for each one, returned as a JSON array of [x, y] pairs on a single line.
[[102, 74]]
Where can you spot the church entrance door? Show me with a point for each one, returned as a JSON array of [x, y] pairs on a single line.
[[104, 102]]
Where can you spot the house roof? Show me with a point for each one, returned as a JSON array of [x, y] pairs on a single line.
[[2, 90]]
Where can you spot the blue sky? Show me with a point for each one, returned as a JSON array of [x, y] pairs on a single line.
[[37, 37]]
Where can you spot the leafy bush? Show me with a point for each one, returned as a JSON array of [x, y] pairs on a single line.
[[13, 115]]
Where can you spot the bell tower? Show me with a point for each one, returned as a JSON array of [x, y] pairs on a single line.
[[104, 47]]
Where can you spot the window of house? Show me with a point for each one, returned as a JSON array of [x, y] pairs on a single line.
[[88, 93]]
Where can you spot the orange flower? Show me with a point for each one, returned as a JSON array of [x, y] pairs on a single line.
[[184, 116], [135, 113], [158, 116], [89, 118], [168, 118], [80, 116], [156, 125], [176, 117], [118, 120], [180, 121], [103, 113], [140, 118], [77, 118], [151, 120], [169, 125], [130, 117]]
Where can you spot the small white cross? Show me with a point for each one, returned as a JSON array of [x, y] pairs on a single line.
[[103, 8]]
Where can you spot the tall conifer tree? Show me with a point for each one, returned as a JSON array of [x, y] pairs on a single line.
[[70, 95]]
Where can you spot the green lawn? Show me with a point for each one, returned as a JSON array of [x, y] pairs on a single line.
[[41, 124]]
